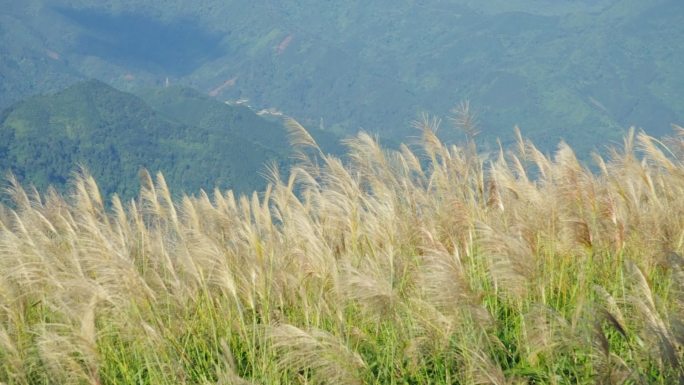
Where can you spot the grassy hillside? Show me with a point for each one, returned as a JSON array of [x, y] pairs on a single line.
[[430, 265], [196, 141], [578, 70]]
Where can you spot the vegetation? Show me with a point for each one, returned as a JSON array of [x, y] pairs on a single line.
[[573, 69], [432, 265], [197, 141]]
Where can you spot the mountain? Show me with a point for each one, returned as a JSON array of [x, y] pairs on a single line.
[[191, 107], [578, 70], [196, 141]]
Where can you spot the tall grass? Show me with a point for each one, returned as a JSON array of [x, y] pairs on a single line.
[[426, 265]]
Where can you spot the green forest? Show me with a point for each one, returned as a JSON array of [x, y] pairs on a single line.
[[558, 69], [198, 142]]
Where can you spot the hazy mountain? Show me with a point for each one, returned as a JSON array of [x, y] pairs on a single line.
[[573, 69], [236, 121], [196, 141]]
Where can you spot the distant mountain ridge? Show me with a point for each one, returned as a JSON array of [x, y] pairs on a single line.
[[584, 71], [196, 141]]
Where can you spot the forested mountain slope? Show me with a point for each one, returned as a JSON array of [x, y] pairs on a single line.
[[579, 70], [114, 134]]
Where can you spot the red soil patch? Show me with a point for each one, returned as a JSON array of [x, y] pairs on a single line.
[[284, 44], [52, 54], [217, 91]]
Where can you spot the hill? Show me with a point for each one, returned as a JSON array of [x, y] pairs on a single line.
[[191, 107], [114, 134], [579, 70]]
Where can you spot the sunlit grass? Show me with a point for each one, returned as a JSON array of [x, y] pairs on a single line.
[[424, 265]]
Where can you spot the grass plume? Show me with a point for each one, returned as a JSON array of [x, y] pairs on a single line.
[[428, 264]]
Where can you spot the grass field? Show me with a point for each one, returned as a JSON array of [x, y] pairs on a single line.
[[426, 265]]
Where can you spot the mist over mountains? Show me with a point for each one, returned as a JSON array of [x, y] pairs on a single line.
[[582, 71]]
